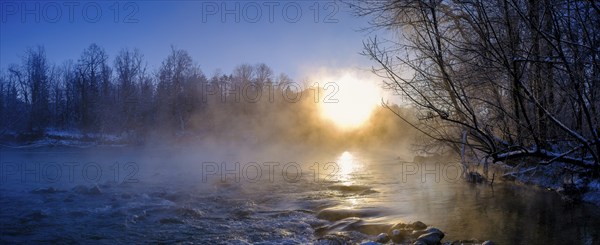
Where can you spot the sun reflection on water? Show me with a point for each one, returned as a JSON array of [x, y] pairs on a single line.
[[350, 169], [347, 165]]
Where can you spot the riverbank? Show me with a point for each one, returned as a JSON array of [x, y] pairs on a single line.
[[573, 184], [55, 138]]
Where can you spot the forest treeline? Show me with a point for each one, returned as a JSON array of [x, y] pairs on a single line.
[[516, 81], [120, 96]]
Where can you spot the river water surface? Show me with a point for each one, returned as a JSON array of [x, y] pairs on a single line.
[[123, 195]]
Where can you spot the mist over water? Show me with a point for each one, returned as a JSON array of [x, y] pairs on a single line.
[[285, 194]]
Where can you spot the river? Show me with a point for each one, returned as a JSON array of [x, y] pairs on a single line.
[[113, 195]]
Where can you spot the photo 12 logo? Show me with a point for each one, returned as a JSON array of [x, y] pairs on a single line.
[[271, 11], [67, 172], [69, 11], [450, 172], [253, 92], [270, 171]]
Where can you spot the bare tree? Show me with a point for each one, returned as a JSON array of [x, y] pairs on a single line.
[[10, 105], [92, 76], [484, 74], [129, 68], [175, 98], [264, 74]]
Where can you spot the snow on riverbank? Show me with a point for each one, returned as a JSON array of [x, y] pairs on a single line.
[[559, 177], [68, 138]]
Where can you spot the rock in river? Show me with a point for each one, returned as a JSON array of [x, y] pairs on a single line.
[[48, 190], [370, 243], [418, 225], [432, 236], [435, 230], [398, 236], [94, 190], [382, 238], [332, 239]]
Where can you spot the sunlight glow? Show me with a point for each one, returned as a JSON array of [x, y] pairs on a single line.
[[347, 164], [353, 102]]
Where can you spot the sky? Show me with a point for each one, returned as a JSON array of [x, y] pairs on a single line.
[[294, 37]]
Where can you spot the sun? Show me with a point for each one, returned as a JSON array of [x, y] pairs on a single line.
[[350, 101]]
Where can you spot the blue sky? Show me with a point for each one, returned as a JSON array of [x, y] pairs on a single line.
[[292, 43]]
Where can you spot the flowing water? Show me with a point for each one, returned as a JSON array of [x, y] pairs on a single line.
[[123, 195]]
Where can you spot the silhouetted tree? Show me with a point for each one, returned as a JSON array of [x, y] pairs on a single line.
[[483, 74], [92, 73]]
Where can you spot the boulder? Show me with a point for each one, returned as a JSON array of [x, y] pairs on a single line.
[[398, 226], [332, 239], [81, 189], [382, 238], [370, 243], [417, 233], [418, 225], [47, 190], [399, 236], [432, 236], [435, 230]]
